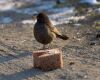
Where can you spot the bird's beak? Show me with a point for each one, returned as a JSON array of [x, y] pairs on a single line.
[[34, 16]]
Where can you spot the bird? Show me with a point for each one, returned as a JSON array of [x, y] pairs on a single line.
[[44, 31]]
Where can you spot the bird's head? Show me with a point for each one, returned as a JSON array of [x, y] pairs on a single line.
[[42, 18]]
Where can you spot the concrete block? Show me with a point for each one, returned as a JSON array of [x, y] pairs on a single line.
[[48, 59]]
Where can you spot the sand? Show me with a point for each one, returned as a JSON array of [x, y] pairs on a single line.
[[81, 59]]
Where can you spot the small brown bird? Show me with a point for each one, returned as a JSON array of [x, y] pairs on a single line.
[[44, 31]]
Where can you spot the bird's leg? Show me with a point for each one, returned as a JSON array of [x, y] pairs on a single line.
[[43, 46], [48, 46]]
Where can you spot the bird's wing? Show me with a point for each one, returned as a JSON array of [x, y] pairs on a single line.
[[56, 32], [54, 29]]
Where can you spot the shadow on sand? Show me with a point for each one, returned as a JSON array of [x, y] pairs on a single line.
[[25, 74], [17, 53]]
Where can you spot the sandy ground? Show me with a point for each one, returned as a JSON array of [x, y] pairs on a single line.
[[81, 53]]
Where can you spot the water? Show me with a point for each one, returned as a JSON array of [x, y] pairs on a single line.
[[57, 17], [89, 1], [6, 20]]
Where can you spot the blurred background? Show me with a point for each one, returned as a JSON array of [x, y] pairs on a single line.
[[59, 11], [78, 19]]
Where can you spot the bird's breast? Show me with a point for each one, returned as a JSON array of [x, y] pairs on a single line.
[[42, 33]]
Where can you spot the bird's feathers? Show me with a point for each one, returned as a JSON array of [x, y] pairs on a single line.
[[64, 37], [44, 31], [57, 33]]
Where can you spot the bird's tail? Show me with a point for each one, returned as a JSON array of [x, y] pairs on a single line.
[[64, 37]]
